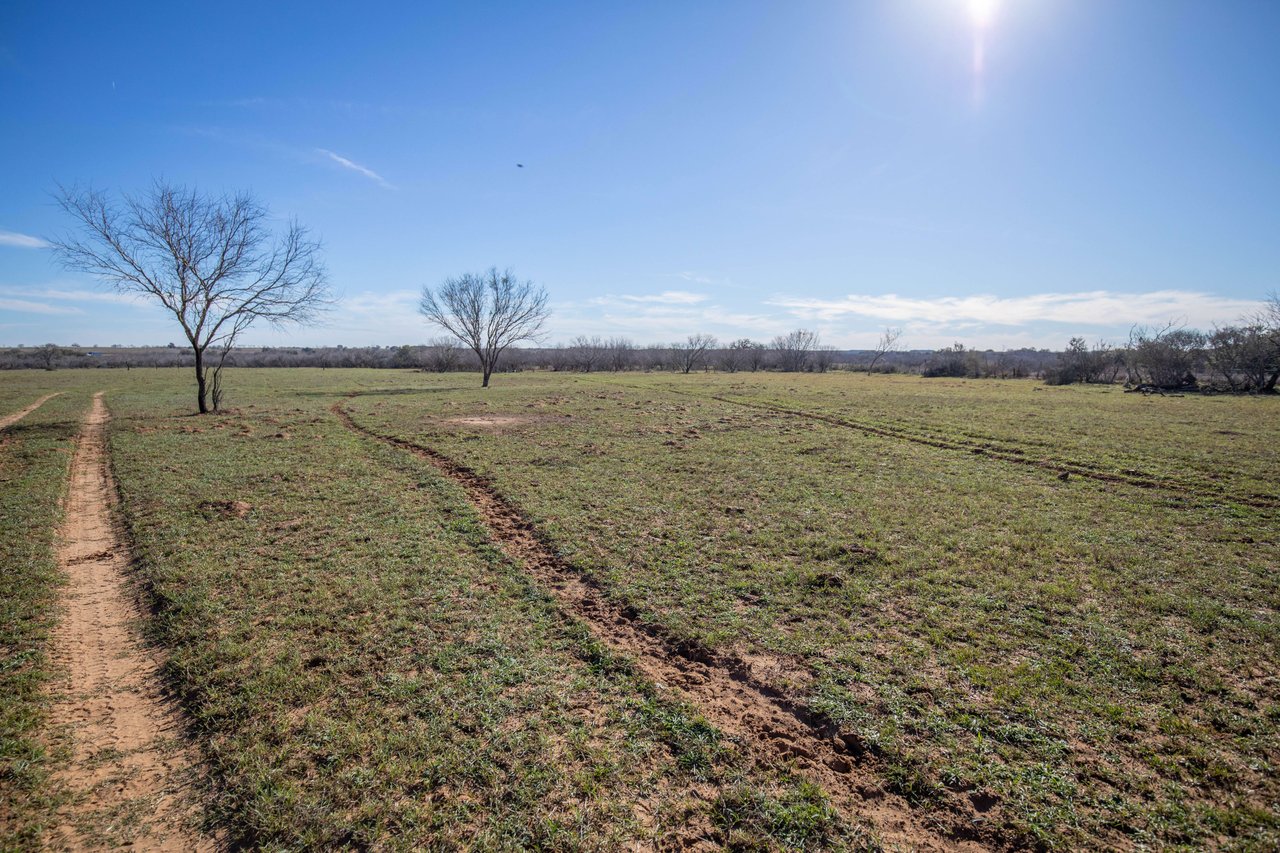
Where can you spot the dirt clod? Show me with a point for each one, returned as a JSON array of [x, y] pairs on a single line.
[[230, 509]]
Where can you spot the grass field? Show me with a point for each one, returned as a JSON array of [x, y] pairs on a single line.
[[35, 455], [1026, 616]]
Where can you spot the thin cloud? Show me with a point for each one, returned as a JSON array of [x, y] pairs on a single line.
[[28, 307], [1090, 308], [694, 277], [77, 295], [666, 297], [356, 167], [370, 312], [22, 241]]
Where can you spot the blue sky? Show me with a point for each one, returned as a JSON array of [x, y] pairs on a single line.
[[999, 172]]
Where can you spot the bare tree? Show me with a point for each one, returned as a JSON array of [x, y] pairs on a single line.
[[738, 354], [1268, 320], [888, 343], [487, 312], [1244, 356], [585, 354], [824, 357], [1164, 358], [688, 355], [442, 355], [49, 355], [794, 348], [211, 261], [621, 353]]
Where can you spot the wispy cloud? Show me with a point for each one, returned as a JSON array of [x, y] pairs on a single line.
[[356, 167], [696, 278], [666, 297], [376, 316], [1089, 308], [74, 295], [22, 241], [28, 307]]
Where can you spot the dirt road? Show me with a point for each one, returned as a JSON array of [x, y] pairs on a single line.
[[128, 776], [9, 420]]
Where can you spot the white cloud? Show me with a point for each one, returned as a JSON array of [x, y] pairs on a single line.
[[76, 295], [392, 304], [1089, 308], [666, 297], [695, 277], [28, 307], [356, 167], [22, 241], [376, 317]]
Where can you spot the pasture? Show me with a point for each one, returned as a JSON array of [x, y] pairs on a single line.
[[756, 611]]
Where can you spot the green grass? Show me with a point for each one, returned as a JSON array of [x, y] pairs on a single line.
[[363, 667], [35, 456], [1080, 662], [1099, 658]]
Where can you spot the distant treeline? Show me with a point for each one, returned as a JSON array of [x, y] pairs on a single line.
[[580, 357], [1236, 358]]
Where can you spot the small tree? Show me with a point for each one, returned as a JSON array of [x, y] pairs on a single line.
[[49, 355], [586, 354], [794, 349], [1268, 321], [738, 355], [1165, 357], [1245, 357], [487, 312], [621, 353], [211, 261], [693, 352], [888, 343], [442, 355], [953, 361]]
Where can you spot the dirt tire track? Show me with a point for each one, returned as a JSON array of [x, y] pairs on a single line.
[[128, 776], [10, 420], [774, 729], [991, 452]]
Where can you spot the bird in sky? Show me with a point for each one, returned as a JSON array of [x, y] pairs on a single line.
[[519, 165]]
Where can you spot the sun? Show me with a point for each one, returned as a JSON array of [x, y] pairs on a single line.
[[982, 12]]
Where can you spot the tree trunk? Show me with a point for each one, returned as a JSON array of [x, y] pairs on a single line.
[[487, 371], [202, 392]]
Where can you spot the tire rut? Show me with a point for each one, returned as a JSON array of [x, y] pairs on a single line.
[[1015, 457], [10, 420], [776, 730], [128, 777]]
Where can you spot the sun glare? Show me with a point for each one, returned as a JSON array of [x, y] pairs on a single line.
[[982, 12]]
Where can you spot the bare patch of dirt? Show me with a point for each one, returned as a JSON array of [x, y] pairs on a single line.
[[776, 729], [128, 777], [236, 509], [491, 421], [10, 420]]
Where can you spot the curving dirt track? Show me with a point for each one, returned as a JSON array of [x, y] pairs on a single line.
[[728, 691], [127, 775], [10, 420]]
